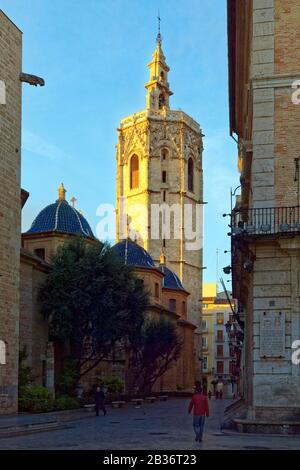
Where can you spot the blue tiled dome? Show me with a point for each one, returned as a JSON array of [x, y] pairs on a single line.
[[61, 217], [170, 280], [133, 254]]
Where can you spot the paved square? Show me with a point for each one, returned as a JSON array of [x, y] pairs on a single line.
[[161, 426]]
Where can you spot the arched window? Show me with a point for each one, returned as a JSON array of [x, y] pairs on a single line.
[[161, 101], [164, 154], [191, 175], [2, 353], [134, 172]]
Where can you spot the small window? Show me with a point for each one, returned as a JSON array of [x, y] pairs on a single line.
[[220, 351], [172, 305], [191, 175], [161, 101], [183, 309], [164, 196], [164, 243], [40, 252], [204, 363], [204, 325], [204, 342], [220, 318], [134, 172], [220, 336], [205, 305], [156, 290], [164, 154], [220, 367], [164, 176]]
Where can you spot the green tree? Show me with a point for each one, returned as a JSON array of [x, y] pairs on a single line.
[[154, 352], [92, 302]]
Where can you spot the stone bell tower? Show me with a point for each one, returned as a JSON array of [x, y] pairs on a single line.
[[159, 180]]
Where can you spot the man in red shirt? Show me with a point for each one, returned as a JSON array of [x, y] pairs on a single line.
[[200, 404]]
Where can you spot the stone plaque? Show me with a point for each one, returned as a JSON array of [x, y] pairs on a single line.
[[272, 334]]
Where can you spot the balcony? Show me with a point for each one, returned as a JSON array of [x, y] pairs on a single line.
[[265, 221]]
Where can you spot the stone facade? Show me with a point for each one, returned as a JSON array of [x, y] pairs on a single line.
[[10, 214], [165, 142], [266, 63]]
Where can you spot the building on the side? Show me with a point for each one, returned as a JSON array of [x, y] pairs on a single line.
[[218, 354], [264, 118], [10, 215], [159, 180]]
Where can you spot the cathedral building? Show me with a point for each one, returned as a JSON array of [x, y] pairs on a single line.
[[159, 180], [159, 160]]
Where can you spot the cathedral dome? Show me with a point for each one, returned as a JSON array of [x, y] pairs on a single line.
[[133, 254], [61, 217], [170, 280]]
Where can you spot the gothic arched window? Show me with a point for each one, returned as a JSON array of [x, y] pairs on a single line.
[[191, 175], [134, 172]]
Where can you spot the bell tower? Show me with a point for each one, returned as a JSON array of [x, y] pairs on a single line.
[[159, 185]]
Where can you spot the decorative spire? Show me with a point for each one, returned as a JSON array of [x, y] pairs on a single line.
[[158, 90], [61, 192]]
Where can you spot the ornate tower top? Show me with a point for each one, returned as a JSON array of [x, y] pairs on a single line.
[[158, 86]]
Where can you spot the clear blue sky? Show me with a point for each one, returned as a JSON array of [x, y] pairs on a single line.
[[93, 55]]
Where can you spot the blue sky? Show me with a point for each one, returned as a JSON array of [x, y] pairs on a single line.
[[93, 55]]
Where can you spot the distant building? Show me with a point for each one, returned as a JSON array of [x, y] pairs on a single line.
[[218, 357]]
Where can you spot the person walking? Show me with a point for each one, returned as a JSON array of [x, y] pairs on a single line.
[[220, 389], [199, 403], [99, 401]]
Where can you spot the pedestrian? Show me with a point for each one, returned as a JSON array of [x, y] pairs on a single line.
[[99, 401], [199, 403], [220, 389]]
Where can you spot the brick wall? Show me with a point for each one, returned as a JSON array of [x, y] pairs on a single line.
[[10, 149]]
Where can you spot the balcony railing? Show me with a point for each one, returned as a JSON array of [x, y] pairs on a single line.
[[265, 221]]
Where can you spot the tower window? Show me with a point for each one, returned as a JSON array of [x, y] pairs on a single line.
[[156, 290], [183, 308], [161, 101], [164, 196], [164, 243], [134, 172], [164, 176], [164, 154], [162, 75], [191, 175]]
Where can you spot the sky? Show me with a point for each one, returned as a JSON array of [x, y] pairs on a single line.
[[93, 55]]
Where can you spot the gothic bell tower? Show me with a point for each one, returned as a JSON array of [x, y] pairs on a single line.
[[159, 179]]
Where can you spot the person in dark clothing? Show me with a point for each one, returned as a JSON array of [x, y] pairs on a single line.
[[99, 401]]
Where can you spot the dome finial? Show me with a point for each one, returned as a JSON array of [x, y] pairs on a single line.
[[61, 192], [162, 258]]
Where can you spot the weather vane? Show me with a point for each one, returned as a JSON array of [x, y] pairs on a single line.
[[159, 20]]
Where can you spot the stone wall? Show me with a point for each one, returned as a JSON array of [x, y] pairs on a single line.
[[10, 212]]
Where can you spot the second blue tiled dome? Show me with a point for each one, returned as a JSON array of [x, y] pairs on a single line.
[[133, 254]]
